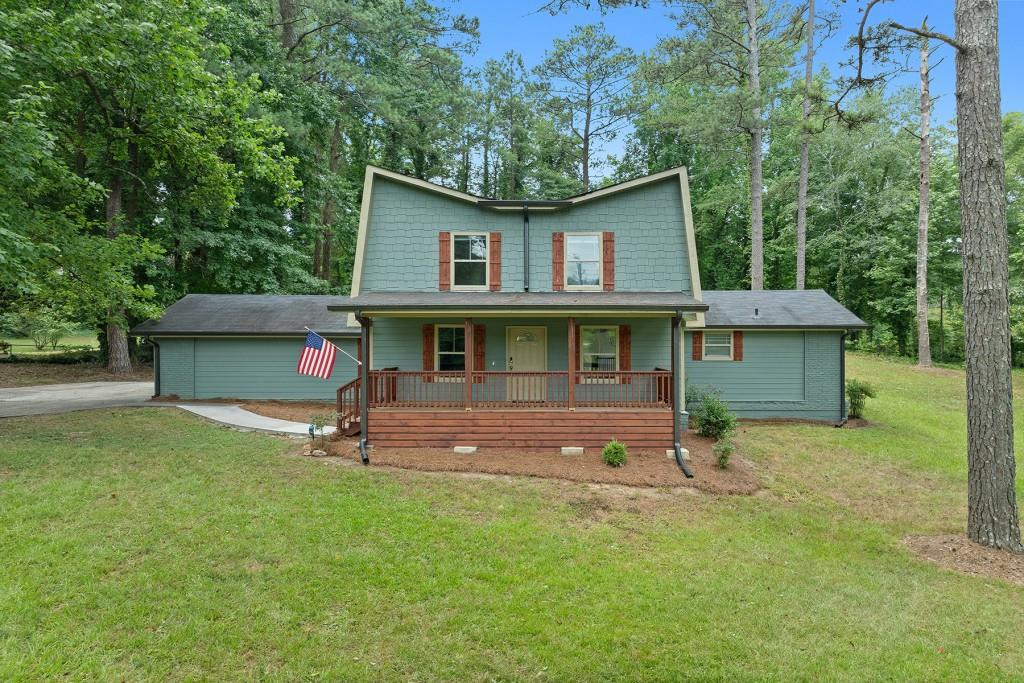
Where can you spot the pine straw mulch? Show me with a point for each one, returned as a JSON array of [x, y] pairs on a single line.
[[643, 468], [956, 552], [295, 411]]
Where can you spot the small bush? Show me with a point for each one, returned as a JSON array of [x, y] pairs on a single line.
[[614, 453], [321, 420], [713, 417], [723, 451], [858, 392]]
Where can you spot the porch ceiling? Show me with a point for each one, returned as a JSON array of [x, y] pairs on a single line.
[[539, 303]]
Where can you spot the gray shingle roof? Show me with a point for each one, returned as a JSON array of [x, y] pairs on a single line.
[[807, 309], [568, 301], [249, 315]]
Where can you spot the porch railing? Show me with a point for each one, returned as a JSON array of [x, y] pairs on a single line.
[[511, 390]]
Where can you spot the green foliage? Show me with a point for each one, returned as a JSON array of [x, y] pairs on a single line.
[[713, 417], [321, 420], [44, 325], [614, 453], [723, 450], [858, 391]]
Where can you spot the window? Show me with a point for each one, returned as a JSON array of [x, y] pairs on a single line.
[[451, 348], [469, 261], [599, 348], [717, 345], [582, 261]]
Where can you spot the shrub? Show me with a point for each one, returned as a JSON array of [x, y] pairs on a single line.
[[858, 392], [723, 451], [321, 420], [614, 453], [713, 417]]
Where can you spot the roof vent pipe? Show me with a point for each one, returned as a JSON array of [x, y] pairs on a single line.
[[526, 247], [757, 313]]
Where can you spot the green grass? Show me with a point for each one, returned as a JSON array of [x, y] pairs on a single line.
[[24, 345], [144, 544]]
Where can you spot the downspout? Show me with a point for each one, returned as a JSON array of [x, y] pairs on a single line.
[[364, 386], [156, 366], [677, 392], [526, 248], [842, 379]]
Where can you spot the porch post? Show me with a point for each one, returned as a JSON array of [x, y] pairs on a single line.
[[678, 399], [571, 376], [364, 386], [470, 350]]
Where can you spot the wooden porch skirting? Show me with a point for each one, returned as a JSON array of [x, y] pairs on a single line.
[[519, 428]]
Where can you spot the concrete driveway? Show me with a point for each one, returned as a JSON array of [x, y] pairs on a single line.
[[64, 398]]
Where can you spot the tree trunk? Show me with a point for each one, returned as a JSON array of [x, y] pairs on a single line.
[[924, 345], [991, 499], [287, 13], [756, 175], [805, 156], [118, 360], [327, 213], [586, 144]]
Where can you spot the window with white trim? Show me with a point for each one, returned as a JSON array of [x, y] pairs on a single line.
[[450, 351], [599, 348], [582, 261], [469, 261], [717, 345]]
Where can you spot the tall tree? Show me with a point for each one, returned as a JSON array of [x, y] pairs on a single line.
[[924, 348], [805, 157], [992, 516], [584, 80], [755, 128]]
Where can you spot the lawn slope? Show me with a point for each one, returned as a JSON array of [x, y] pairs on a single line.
[[145, 544]]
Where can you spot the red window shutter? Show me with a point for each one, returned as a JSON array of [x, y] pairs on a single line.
[[576, 364], [558, 261], [698, 346], [625, 351], [494, 245], [479, 352], [444, 261], [428, 351], [737, 345], [608, 260]]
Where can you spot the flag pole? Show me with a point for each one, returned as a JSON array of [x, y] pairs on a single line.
[[358, 362]]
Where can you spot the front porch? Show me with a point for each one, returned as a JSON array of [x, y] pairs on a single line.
[[538, 372]]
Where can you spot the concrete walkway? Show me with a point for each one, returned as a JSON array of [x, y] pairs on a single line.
[[51, 399], [241, 419]]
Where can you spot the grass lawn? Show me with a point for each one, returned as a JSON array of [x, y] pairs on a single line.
[[24, 345], [145, 544]]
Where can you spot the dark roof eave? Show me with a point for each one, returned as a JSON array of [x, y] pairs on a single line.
[[754, 326], [140, 331], [688, 308]]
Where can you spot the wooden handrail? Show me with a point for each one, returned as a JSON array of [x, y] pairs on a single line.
[[511, 390], [348, 404]]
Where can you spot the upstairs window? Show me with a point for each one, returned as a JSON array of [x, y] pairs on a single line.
[[717, 345], [582, 261], [451, 348], [469, 261]]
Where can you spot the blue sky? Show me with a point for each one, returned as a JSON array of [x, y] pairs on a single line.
[[517, 25]]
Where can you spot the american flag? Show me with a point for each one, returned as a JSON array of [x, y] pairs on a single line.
[[317, 359]]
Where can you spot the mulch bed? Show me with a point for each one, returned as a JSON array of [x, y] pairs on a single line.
[[643, 468], [956, 552], [295, 411], [34, 373]]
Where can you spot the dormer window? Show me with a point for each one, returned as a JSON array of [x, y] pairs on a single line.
[[582, 261], [469, 261]]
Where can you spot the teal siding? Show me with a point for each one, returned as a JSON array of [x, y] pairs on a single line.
[[402, 245], [248, 367], [398, 342], [650, 238], [177, 367], [782, 375]]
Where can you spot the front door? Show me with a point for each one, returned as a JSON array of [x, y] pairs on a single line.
[[527, 353]]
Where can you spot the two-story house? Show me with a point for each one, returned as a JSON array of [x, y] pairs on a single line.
[[520, 323]]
